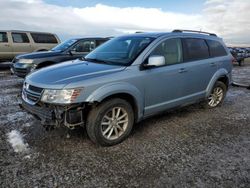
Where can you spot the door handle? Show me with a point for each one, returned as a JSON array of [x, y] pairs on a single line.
[[7, 45], [212, 64], [182, 70]]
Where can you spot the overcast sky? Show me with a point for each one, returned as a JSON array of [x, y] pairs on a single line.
[[230, 19]]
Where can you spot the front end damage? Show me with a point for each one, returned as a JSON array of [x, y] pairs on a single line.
[[52, 115]]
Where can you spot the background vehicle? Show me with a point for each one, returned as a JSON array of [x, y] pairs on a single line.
[[238, 54], [13, 43], [130, 78], [69, 50]]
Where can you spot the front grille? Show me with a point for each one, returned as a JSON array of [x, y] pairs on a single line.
[[18, 70], [31, 93], [32, 96], [35, 89]]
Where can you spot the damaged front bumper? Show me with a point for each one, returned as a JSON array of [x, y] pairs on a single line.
[[57, 115]]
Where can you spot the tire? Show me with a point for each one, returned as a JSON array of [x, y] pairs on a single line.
[[104, 125], [217, 95]]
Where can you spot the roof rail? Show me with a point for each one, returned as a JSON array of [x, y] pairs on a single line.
[[193, 31]]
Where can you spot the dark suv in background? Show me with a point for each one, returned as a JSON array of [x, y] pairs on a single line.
[[69, 50]]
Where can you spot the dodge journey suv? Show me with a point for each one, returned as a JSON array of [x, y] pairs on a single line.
[[68, 50], [13, 43], [127, 79]]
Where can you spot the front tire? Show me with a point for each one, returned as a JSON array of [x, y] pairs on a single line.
[[217, 95], [110, 122]]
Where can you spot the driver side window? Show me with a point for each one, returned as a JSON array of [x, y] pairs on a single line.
[[84, 46], [171, 49]]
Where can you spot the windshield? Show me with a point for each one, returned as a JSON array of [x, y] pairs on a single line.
[[65, 45], [120, 51]]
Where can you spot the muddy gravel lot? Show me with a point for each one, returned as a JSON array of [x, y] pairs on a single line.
[[189, 147]]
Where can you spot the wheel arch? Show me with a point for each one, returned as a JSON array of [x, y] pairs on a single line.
[[221, 75], [122, 90]]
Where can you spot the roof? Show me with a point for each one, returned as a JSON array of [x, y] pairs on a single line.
[[26, 31], [175, 33]]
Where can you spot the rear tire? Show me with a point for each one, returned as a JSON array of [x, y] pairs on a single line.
[[110, 122], [216, 96]]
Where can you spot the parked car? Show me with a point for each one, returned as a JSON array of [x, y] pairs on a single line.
[[69, 50], [239, 55], [13, 43], [127, 79]]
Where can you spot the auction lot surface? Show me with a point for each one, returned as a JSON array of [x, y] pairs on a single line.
[[190, 147]]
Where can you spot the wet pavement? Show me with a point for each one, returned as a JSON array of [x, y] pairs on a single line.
[[189, 147]]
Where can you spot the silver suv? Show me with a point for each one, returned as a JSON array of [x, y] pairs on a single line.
[[130, 78]]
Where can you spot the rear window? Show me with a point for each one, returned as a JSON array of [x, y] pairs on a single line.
[[20, 38], [195, 49], [44, 38], [3, 37], [216, 49]]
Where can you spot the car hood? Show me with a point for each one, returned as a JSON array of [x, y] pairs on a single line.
[[60, 75], [35, 55]]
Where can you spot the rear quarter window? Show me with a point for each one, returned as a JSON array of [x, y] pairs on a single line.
[[216, 49], [44, 38], [3, 37], [195, 49]]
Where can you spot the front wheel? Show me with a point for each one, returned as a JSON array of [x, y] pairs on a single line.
[[110, 122], [217, 95]]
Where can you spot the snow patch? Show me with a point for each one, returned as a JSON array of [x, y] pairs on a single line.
[[15, 138]]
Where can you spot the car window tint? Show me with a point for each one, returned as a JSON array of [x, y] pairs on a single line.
[[20, 38], [84, 46], [43, 38], [171, 49], [195, 49], [99, 42], [216, 49], [3, 37]]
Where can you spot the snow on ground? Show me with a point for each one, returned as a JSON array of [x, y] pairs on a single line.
[[15, 138]]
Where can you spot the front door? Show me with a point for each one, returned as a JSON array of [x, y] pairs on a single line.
[[163, 85]]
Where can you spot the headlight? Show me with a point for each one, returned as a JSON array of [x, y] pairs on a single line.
[[26, 61], [64, 96]]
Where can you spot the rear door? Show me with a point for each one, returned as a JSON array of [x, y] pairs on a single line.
[[199, 68], [5, 47], [21, 43]]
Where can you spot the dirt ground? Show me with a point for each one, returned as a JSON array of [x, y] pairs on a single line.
[[189, 147]]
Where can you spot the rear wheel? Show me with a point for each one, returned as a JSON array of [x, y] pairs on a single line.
[[217, 95], [110, 122]]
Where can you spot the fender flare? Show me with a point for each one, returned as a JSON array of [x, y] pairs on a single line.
[[219, 73]]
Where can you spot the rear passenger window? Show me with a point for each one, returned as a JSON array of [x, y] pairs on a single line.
[[171, 49], [20, 38], [43, 38], [195, 49], [216, 49], [3, 37]]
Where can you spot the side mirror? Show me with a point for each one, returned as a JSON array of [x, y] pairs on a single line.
[[155, 61]]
